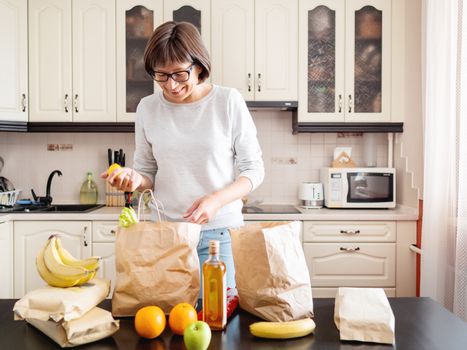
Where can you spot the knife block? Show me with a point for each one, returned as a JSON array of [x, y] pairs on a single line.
[[113, 196]]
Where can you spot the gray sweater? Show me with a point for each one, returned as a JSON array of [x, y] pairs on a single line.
[[197, 148]]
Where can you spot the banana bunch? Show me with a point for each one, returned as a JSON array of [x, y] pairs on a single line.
[[59, 268], [283, 330]]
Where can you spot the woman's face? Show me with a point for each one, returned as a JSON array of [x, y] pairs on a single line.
[[175, 89]]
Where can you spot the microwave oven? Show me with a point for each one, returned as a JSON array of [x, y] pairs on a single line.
[[359, 187]]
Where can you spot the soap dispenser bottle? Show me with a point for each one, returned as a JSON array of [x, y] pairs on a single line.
[[88, 192]]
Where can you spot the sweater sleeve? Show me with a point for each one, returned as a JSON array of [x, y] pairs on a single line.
[[247, 151], [144, 160]]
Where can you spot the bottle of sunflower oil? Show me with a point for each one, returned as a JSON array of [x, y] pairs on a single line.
[[214, 289], [88, 193]]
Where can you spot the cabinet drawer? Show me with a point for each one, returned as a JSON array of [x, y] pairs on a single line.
[[104, 231], [332, 292], [351, 264], [349, 231]]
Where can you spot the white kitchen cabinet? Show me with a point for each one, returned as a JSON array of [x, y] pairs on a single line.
[[30, 237], [136, 20], [107, 265], [13, 60], [6, 259], [72, 61], [254, 47], [103, 245], [360, 254], [344, 61], [197, 12]]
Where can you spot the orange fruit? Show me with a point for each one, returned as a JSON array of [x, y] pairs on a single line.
[[181, 316], [150, 322], [113, 167]]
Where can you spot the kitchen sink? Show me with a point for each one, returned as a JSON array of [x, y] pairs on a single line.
[[72, 208], [54, 208]]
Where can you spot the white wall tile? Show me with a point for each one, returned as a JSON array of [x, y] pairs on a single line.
[[28, 163]]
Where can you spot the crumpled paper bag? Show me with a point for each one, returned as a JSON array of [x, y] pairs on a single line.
[[92, 326], [364, 314], [271, 273], [61, 303], [157, 264]]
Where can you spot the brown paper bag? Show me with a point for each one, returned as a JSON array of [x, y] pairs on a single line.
[[364, 314], [157, 264], [94, 325], [270, 271]]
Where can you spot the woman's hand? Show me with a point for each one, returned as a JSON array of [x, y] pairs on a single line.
[[124, 179], [203, 209]]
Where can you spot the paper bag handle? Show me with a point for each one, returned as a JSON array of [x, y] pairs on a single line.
[[156, 202]]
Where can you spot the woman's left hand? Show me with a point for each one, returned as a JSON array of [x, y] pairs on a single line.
[[203, 209]]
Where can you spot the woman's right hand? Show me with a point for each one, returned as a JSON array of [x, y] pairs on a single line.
[[124, 179]]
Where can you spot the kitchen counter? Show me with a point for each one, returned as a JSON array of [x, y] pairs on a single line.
[[421, 323], [111, 214]]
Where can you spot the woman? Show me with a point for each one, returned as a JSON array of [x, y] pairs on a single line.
[[199, 138]]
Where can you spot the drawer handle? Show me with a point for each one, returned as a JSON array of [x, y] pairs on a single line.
[[356, 249], [113, 232], [350, 232]]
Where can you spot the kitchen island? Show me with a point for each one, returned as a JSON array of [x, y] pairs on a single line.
[[421, 323]]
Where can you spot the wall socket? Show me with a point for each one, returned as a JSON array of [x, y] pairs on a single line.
[[284, 160], [52, 147]]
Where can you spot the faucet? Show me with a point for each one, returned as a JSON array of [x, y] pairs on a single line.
[[47, 200]]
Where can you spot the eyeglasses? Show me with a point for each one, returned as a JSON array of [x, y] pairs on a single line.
[[179, 76]]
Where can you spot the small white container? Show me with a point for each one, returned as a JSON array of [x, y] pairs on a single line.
[[311, 195]]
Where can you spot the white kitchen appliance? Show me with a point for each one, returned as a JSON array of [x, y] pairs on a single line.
[[311, 195], [359, 187]]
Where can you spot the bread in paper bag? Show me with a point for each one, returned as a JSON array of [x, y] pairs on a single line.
[[270, 271], [94, 325], [364, 314], [61, 303]]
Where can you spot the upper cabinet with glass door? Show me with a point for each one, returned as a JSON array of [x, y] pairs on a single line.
[[344, 61], [196, 12], [136, 20]]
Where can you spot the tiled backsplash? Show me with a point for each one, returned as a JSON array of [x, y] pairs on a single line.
[[289, 159]]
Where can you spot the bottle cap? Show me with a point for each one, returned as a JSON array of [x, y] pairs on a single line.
[[214, 247]]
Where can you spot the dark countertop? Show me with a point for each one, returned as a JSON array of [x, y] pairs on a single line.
[[421, 324]]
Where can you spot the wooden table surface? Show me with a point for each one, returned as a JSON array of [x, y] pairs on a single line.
[[421, 324]]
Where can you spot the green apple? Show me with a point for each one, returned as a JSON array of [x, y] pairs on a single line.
[[197, 336]]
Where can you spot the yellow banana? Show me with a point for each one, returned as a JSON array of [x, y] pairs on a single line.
[[87, 278], [91, 263], [57, 267], [48, 276], [283, 330]]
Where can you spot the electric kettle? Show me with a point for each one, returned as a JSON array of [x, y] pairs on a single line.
[[311, 195]]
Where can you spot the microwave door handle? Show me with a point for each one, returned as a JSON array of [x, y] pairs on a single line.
[[345, 187]]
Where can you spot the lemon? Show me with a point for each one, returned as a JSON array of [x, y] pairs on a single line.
[[112, 168]]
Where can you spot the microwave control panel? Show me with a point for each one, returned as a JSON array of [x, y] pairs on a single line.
[[335, 185]]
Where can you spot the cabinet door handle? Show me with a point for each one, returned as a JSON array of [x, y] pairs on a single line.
[[350, 103], [345, 232], [249, 82], [259, 82], [340, 103], [85, 239], [23, 102], [65, 103], [76, 103], [356, 249]]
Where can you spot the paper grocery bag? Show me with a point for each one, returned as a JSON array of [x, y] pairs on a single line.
[[94, 325], [364, 314], [270, 271], [157, 264]]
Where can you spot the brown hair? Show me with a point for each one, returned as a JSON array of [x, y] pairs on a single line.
[[178, 42]]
